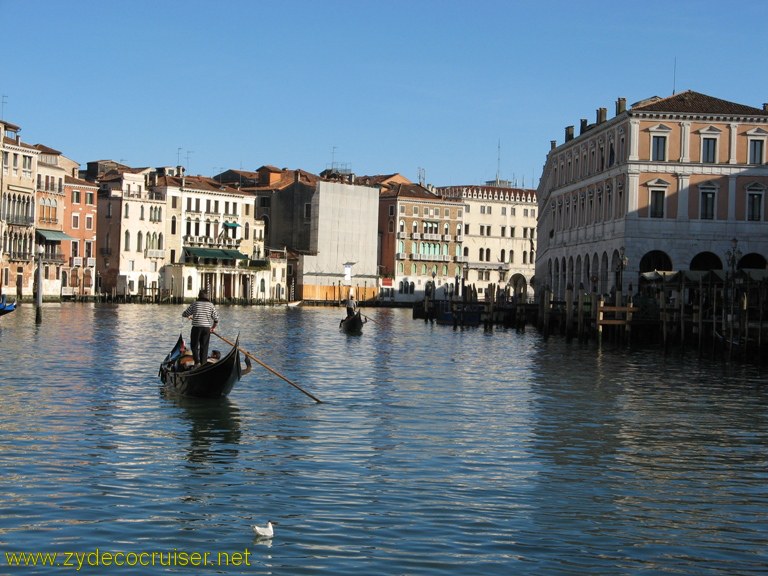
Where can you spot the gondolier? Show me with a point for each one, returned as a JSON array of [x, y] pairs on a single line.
[[205, 318]]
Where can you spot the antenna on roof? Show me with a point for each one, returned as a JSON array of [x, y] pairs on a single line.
[[2, 106], [498, 163], [421, 176], [674, 76]]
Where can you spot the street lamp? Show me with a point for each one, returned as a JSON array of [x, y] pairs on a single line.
[[620, 266]]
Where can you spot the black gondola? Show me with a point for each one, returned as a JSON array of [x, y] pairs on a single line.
[[211, 380], [352, 324]]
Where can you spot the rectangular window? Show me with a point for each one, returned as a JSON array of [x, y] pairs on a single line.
[[503, 231], [756, 151], [174, 201], [415, 210], [402, 208], [708, 147], [707, 204], [657, 203], [659, 151], [392, 210], [75, 220], [89, 222], [754, 206], [482, 209], [75, 196], [307, 211]]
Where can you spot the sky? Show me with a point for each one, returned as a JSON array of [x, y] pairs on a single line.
[[456, 92]]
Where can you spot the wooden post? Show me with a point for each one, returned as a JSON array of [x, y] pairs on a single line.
[[580, 316], [600, 305]]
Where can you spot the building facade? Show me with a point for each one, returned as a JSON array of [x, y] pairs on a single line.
[[667, 184], [420, 244], [17, 212], [498, 236]]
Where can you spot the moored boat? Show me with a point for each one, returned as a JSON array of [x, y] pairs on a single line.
[[5, 307], [214, 379]]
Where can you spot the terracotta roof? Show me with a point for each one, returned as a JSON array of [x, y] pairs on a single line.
[[197, 183], [46, 149], [78, 182], [408, 191], [690, 102]]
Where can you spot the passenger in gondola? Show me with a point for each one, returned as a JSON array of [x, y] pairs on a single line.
[[205, 318]]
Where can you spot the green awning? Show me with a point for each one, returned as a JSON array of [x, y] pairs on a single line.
[[53, 235], [231, 224], [215, 253], [236, 254], [206, 252]]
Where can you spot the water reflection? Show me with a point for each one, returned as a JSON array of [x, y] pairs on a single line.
[[434, 450]]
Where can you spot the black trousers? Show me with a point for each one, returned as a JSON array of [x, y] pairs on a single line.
[[201, 336]]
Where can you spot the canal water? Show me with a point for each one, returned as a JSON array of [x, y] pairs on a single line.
[[434, 451]]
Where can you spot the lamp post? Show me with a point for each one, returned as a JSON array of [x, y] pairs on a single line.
[[620, 266], [39, 298]]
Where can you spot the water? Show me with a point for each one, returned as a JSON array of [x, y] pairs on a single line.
[[435, 451]]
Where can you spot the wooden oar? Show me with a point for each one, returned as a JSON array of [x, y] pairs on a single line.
[[275, 372], [369, 318]]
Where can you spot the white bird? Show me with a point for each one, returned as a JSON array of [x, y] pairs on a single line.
[[265, 531]]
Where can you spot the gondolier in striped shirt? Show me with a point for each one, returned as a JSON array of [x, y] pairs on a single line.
[[205, 318]]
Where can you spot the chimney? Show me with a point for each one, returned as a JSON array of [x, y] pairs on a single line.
[[568, 133], [602, 113], [583, 127], [552, 144], [621, 106]]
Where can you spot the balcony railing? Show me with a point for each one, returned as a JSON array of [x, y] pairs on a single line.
[[21, 256], [76, 261], [154, 253], [54, 258], [20, 220], [90, 262]]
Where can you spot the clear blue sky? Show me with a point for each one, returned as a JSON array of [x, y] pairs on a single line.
[[378, 86]]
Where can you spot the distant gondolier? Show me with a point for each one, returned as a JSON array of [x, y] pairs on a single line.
[[205, 318], [351, 306]]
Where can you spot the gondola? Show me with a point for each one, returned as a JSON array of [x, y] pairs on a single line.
[[5, 307], [214, 379], [352, 324]]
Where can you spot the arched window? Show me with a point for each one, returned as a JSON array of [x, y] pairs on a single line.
[[402, 225], [247, 231], [481, 254], [189, 282], [503, 255], [127, 241], [160, 241], [139, 239], [487, 254], [127, 206], [173, 225], [141, 213]]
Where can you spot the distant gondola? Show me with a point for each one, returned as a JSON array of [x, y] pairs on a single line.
[[352, 324], [214, 379], [5, 308]]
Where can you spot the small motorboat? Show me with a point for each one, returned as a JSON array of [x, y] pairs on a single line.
[[214, 379]]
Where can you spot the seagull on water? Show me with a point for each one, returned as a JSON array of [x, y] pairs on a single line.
[[265, 531]]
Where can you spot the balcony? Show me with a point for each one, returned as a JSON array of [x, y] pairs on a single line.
[[53, 258], [90, 262], [401, 256], [431, 236], [154, 253], [461, 258], [447, 237], [415, 236], [460, 238], [402, 235], [20, 256], [76, 261], [19, 220]]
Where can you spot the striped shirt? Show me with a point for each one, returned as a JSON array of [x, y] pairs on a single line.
[[203, 313]]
